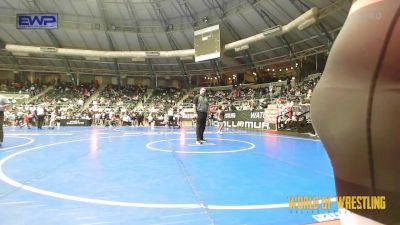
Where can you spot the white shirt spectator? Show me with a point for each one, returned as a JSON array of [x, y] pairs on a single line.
[[126, 118], [171, 112], [80, 102]]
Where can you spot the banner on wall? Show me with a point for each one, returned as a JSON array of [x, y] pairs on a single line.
[[247, 119], [271, 113], [243, 119], [72, 122], [257, 119]]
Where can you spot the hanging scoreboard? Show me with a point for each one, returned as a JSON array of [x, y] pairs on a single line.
[[207, 43]]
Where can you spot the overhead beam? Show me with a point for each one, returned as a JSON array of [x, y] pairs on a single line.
[[193, 20], [91, 23], [144, 73], [13, 58], [102, 9], [162, 17], [188, 12], [56, 43], [221, 14], [302, 7], [142, 45], [271, 22], [217, 70]]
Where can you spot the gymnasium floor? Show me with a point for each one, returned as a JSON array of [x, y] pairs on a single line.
[[149, 176]]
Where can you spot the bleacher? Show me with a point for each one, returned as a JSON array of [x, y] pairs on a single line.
[[114, 97], [163, 99]]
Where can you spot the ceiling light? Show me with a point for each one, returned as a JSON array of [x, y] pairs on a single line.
[[272, 31], [48, 49], [241, 48]]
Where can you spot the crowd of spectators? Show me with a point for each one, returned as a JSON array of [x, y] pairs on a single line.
[[118, 96], [292, 100], [65, 98], [31, 88], [163, 99], [121, 109], [254, 98], [115, 105]]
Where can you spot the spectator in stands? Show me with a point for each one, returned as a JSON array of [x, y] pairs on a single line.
[[126, 120], [232, 107], [133, 118], [112, 118], [210, 119], [140, 118], [53, 117], [150, 119], [170, 117], [179, 116]]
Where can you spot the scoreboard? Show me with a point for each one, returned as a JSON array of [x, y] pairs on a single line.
[[207, 43]]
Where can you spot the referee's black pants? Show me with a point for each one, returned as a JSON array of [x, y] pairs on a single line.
[[201, 125], [1, 126], [40, 121]]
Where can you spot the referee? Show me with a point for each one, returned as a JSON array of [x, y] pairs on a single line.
[[200, 105], [3, 105]]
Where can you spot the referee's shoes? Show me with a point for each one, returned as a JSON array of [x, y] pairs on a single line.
[[200, 142]]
